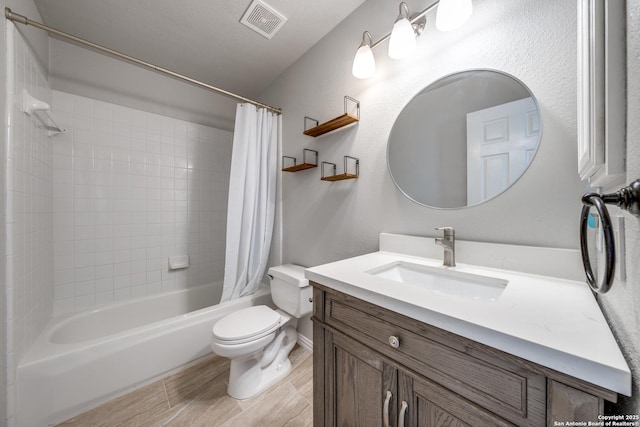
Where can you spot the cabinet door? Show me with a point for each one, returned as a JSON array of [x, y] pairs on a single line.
[[431, 405], [356, 384], [568, 403]]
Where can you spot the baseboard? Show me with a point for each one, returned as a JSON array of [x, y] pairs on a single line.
[[305, 343]]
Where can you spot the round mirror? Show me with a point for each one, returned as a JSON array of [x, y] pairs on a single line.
[[464, 139]]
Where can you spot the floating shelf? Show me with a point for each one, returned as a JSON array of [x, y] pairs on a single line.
[[340, 177], [337, 123], [300, 167], [304, 165], [331, 125], [345, 175]]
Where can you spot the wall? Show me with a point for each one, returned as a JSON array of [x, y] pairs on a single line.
[[622, 304], [27, 209], [130, 189], [93, 267], [85, 72], [534, 41], [38, 41]]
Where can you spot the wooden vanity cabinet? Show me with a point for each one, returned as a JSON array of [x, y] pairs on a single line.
[[374, 367]]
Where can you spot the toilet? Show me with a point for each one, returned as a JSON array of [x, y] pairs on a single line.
[[258, 339]]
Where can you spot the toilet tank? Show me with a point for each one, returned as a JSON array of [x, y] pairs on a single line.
[[290, 290]]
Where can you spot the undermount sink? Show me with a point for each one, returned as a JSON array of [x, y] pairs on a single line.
[[445, 281]]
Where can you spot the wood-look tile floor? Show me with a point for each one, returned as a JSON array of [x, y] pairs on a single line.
[[197, 396]]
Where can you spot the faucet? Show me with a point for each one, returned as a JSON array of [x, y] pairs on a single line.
[[448, 242]]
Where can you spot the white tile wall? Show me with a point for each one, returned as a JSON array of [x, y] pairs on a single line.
[[130, 189], [28, 210]]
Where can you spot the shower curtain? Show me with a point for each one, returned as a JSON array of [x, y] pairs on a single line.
[[252, 200]]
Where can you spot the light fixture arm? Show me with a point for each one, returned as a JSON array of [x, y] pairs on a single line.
[[406, 11], [364, 41], [416, 19]]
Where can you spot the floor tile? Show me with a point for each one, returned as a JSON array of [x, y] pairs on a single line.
[[146, 406], [302, 379], [213, 407], [196, 397], [276, 407], [185, 385]]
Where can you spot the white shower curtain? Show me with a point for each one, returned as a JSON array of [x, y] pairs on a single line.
[[252, 200]]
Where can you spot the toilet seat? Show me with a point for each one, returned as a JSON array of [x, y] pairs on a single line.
[[246, 325]]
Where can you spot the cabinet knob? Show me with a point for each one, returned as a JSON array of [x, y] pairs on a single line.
[[394, 341], [310, 299]]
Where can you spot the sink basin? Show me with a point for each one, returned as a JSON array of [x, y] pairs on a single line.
[[440, 280]]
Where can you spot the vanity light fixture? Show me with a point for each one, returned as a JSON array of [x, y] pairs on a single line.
[[402, 39], [402, 42], [364, 65]]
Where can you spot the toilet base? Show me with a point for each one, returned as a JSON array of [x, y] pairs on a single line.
[[252, 374], [242, 390]]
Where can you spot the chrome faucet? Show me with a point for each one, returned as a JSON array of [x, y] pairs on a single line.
[[448, 242]]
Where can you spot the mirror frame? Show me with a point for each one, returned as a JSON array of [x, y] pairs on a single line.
[[437, 80]]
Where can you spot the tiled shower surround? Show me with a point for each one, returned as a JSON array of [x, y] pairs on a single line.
[[131, 189], [92, 215], [29, 210]]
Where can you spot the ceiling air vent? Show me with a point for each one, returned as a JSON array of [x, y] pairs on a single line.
[[263, 19]]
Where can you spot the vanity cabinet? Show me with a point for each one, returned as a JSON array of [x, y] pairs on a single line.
[[375, 367]]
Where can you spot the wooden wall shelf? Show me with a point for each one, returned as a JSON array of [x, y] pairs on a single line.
[[343, 176], [300, 167], [337, 123], [340, 177], [304, 165], [331, 125]]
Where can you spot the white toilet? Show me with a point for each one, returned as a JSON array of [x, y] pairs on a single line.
[[258, 339]]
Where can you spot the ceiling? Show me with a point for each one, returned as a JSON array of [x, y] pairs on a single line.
[[202, 39]]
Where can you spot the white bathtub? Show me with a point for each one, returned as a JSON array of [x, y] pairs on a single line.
[[85, 359]]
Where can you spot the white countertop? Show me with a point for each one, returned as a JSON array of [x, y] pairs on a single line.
[[553, 322]]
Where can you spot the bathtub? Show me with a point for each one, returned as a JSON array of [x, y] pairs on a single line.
[[84, 359]]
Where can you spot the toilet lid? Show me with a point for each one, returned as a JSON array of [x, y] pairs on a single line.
[[246, 323]]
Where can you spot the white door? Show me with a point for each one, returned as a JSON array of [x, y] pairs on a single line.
[[501, 141]]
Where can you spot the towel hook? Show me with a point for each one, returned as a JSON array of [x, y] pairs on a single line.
[[627, 198]]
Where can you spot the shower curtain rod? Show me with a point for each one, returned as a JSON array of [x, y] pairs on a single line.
[[21, 19]]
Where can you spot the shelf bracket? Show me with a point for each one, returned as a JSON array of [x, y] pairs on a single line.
[[333, 168], [346, 174], [346, 111], [310, 119]]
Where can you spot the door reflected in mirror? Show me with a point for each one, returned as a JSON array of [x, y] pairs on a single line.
[[464, 139]]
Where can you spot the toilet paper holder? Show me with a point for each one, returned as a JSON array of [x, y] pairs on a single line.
[[627, 198]]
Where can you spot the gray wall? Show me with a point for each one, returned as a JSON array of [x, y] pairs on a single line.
[[622, 304], [536, 42], [87, 73]]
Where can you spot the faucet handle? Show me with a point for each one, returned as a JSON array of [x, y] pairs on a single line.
[[448, 231]]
